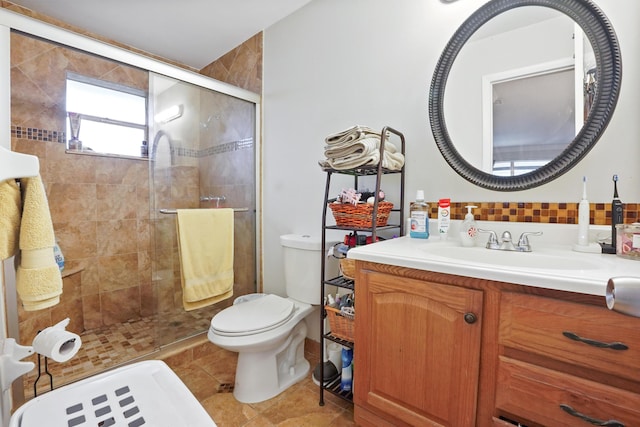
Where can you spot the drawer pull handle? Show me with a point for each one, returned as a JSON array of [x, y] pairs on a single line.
[[569, 410], [599, 344]]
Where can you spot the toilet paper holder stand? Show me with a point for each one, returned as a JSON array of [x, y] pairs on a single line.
[[57, 343], [46, 371]]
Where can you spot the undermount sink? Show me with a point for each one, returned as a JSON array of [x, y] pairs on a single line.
[[528, 260]]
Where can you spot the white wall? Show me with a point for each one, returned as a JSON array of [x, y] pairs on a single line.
[[336, 63]]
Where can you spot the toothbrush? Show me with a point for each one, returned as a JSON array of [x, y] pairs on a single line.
[[617, 212], [583, 216]]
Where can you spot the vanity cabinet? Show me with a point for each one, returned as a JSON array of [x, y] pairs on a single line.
[[437, 349], [567, 364], [419, 351]]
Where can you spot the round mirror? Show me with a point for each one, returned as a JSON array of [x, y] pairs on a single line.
[[523, 90]]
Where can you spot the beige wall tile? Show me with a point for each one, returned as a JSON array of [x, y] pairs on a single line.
[[118, 272], [117, 237], [120, 305]]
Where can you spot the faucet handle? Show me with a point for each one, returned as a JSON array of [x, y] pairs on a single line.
[[523, 242], [492, 243]]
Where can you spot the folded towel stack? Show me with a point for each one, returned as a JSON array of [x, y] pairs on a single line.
[[359, 146], [38, 279]]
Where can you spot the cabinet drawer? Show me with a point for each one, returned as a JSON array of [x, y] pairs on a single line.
[[583, 335], [537, 395]]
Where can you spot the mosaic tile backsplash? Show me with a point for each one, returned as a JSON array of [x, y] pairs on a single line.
[[543, 212]]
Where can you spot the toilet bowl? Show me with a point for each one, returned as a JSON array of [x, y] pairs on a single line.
[[269, 338], [268, 331]]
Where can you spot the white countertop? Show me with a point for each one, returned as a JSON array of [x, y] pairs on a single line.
[[549, 265]]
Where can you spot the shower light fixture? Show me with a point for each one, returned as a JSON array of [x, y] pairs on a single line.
[[171, 113]]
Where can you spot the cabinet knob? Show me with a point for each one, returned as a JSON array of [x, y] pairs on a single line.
[[470, 318]]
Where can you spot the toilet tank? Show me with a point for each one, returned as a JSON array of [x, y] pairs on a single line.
[[302, 263]]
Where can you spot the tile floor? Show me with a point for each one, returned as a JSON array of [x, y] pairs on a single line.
[[208, 371], [114, 345]]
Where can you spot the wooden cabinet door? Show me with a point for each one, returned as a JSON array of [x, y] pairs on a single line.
[[417, 350]]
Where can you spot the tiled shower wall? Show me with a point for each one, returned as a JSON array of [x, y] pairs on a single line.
[[99, 205]]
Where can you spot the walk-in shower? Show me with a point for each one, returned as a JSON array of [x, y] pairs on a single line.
[[122, 287]]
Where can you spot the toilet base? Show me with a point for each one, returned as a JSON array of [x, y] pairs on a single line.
[[263, 375]]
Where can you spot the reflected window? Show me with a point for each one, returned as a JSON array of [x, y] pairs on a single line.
[[108, 117], [519, 167]]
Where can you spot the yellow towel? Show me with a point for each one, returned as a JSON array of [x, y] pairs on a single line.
[[9, 218], [38, 279], [205, 245]]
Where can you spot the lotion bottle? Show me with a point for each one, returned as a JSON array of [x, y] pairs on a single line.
[[419, 214], [468, 228]]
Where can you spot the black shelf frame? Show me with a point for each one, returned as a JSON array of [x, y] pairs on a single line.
[[334, 387]]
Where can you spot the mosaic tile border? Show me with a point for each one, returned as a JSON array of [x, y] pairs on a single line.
[[35, 134], [542, 212]]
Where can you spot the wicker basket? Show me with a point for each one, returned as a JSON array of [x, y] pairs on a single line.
[[348, 268], [360, 215], [340, 324]]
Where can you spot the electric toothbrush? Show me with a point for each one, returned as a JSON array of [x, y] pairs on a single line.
[[583, 216], [584, 212], [617, 212]]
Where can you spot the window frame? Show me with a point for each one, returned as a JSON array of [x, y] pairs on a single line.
[[118, 87]]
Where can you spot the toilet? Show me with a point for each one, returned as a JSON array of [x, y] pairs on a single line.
[[268, 331]]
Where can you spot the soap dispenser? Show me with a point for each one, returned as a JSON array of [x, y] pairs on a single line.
[[468, 228]]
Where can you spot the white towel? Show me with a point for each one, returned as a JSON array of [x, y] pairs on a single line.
[[351, 134], [391, 161], [356, 148]]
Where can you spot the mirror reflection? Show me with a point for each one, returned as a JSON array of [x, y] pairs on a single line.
[[515, 95]]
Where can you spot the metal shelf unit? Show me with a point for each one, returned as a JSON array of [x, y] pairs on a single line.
[[378, 171]]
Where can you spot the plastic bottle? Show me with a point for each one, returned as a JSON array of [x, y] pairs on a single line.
[[144, 149], [444, 217], [347, 369], [57, 253], [419, 214], [468, 228]]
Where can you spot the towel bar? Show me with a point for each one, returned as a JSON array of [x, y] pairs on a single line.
[[173, 211]]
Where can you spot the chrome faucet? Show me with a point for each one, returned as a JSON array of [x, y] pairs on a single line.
[[506, 243]]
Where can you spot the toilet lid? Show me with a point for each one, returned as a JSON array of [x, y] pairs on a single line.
[[253, 316]]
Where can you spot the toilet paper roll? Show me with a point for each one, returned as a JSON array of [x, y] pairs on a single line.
[[57, 343], [623, 295]]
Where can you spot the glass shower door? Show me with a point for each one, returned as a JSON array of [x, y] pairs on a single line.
[[202, 154]]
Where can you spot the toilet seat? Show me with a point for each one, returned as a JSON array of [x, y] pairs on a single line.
[[253, 316]]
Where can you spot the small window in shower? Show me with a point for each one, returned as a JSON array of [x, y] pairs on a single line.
[[105, 117]]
